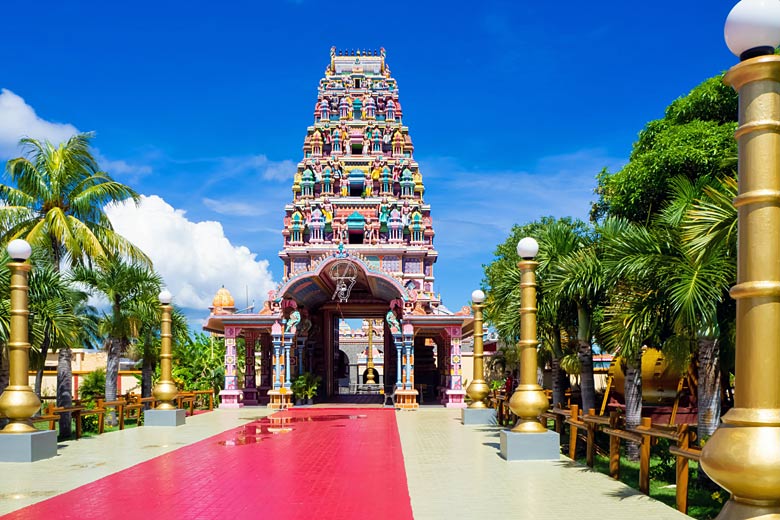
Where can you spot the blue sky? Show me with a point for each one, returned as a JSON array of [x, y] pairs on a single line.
[[513, 107]]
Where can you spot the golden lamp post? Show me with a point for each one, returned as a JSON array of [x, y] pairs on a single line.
[[370, 353], [528, 401], [743, 455], [19, 403], [165, 390], [478, 389]]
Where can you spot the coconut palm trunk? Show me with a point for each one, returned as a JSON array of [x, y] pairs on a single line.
[[558, 374], [709, 393], [64, 388], [585, 356], [44, 353], [114, 351], [633, 395]]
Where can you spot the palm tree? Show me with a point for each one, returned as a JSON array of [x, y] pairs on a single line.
[[706, 312], [58, 205], [574, 274], [131, 290], [557, 238], [637, 314], [55, 316]]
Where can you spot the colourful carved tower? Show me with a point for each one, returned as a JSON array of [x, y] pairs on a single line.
[[358, 184], [358, 243]]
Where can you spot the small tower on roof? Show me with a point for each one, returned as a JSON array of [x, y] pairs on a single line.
[[223, 302]]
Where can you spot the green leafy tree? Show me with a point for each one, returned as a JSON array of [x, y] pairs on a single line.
[[132, 290], [693, 138], [56, 201]]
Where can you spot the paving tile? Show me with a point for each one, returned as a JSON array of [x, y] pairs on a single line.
[[451, 471]]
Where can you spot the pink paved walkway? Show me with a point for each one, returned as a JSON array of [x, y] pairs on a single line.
[[332, 464]]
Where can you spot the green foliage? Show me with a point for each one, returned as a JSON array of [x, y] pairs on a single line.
[[694, 139], [92, 388], [306, 385], [57, 202], [198, 363], [664, 151]]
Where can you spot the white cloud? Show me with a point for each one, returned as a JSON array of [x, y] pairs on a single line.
[[259, 165], [234, 208], [18, 119], [122, 168], [194, 258]]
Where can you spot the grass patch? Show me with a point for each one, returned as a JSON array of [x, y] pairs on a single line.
[[703, 504]]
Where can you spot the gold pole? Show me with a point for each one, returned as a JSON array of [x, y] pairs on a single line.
[[743, 455], [165, 390], [370, 353], [528, 401], [478, 389], [19, 403]]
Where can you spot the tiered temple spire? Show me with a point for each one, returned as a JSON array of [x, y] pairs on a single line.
[[358, 184]]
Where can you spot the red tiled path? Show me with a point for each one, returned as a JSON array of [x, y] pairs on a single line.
[[333, 464]]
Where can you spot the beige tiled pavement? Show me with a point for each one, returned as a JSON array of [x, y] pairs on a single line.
[[453, 471]]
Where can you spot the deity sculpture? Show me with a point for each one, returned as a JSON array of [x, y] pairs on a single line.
[[292, 322], [392, 322], [344, 184], [419, 188], [368, 185], [344, 108], [296, 185]]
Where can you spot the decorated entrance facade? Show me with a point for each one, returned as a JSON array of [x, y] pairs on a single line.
[[358, 244]]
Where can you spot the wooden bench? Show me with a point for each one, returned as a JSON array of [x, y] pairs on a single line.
[[50, 418], [124, 409], [145, 403], [78, 413], [186, 401], [209, 392]]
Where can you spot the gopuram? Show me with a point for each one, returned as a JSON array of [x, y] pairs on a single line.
[[358, 244]]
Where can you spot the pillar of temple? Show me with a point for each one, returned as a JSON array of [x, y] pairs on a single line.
[[406, 397], [453, 394], [231, 396], [280, 395]]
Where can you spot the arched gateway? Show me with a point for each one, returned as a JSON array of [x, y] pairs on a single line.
[[358, 243]]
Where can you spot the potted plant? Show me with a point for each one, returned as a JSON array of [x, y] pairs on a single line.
[[310, 386], [299, 389]]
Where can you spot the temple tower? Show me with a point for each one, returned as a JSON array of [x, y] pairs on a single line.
[[357, 244], [358, 185]]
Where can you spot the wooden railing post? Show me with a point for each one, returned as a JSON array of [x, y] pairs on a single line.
[[590, 448], [575, 411], [682, 470], [644, 457], [614, 448]]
